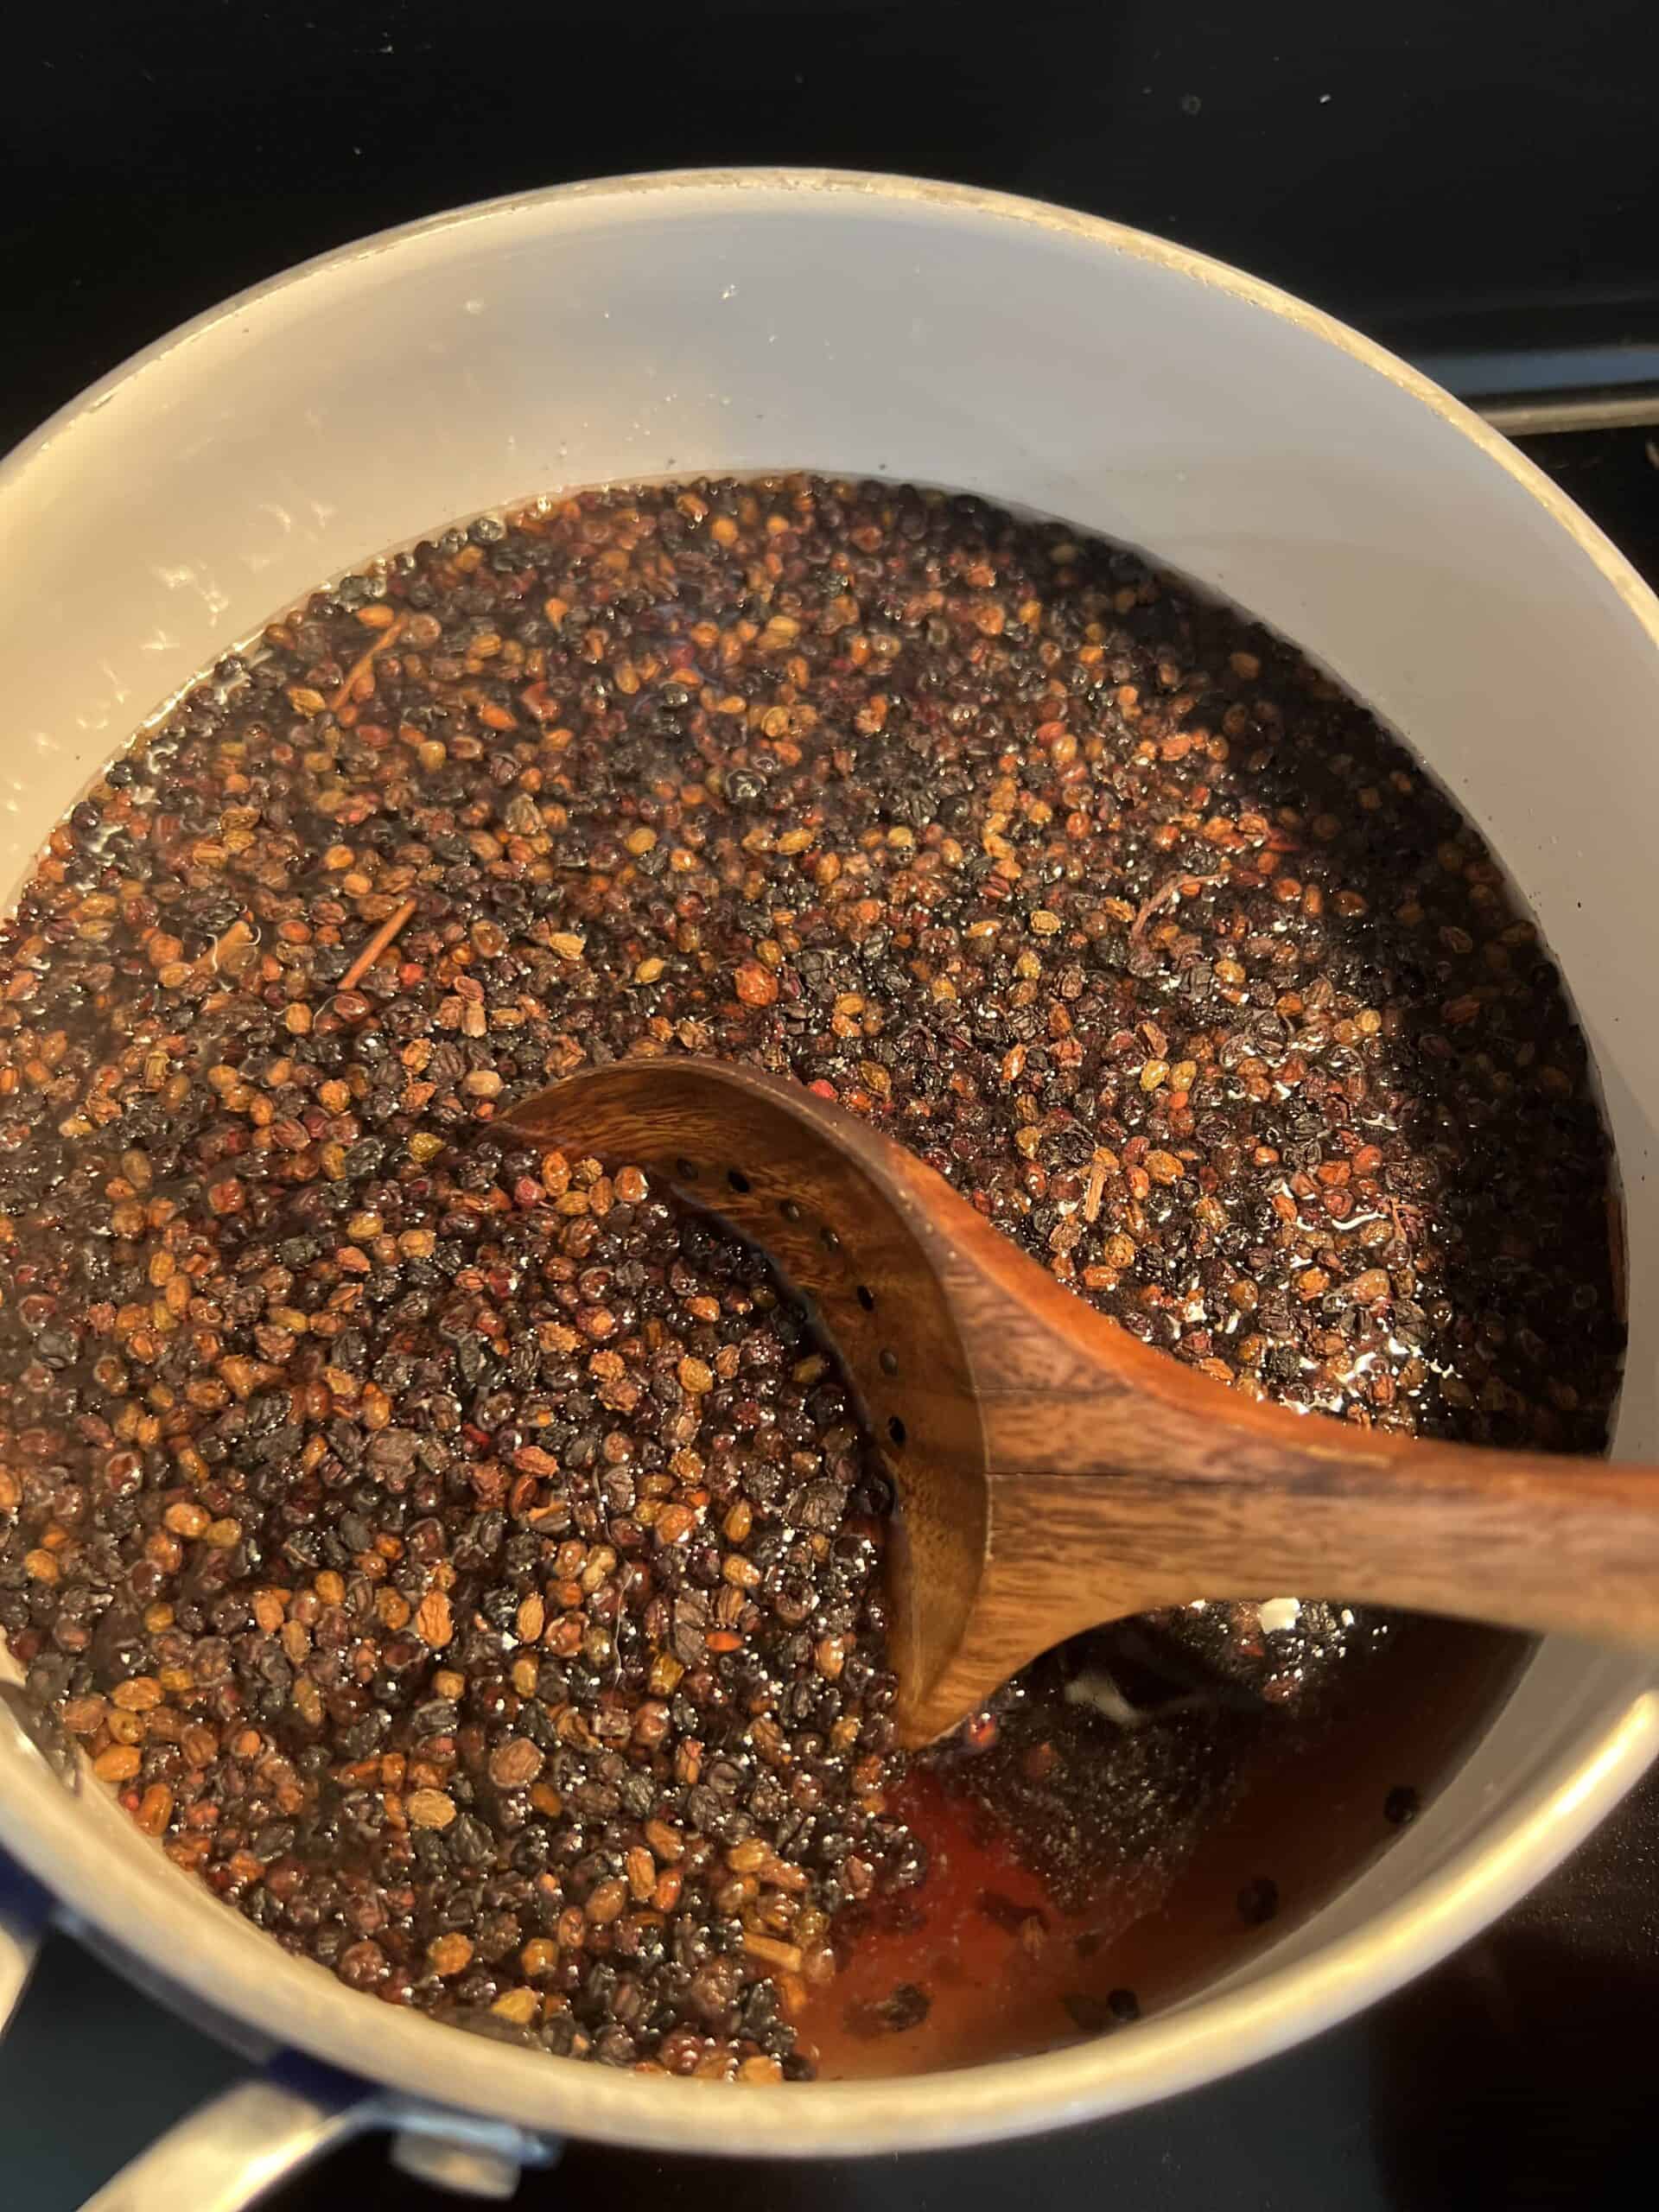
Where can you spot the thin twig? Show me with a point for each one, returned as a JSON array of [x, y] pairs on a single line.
[[239, 938], [1162, 896], [376, 946], [385, 638]]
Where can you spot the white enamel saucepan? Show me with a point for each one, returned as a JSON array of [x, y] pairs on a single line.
[[877, 327]]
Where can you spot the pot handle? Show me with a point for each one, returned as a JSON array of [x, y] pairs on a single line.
[[230, 2153]]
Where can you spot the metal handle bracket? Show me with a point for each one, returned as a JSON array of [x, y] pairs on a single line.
[[229, 2153]]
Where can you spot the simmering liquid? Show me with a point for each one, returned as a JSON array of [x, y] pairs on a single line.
[[468, 1566]]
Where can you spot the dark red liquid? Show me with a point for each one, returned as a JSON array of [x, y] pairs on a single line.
[[1312, 1808], [983, 1944]]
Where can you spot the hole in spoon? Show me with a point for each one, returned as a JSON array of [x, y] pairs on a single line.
[[889, 1361], [789, 1209], [737, 1179], [831, 1242], [897, 1430], [866, 1297]]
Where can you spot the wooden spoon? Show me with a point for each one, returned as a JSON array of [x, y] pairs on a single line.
[[1053, 1472]]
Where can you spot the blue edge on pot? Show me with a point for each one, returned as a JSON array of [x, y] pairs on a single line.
[[30, 1905], [30, 1908]]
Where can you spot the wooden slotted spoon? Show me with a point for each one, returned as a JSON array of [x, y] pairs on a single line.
[[1053, 1472]]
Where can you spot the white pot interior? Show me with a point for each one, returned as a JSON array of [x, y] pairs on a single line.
[[726, 324]]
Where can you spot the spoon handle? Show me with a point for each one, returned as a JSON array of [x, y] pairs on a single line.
[[1121, 1479], [1533, 1541], [1530, 1541]]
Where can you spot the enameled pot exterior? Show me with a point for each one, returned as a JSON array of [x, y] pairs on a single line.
[[719, 322]]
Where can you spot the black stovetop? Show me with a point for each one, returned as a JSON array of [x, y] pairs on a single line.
[[1472, 183]]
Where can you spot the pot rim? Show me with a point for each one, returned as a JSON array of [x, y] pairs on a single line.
[[1210, 2035]]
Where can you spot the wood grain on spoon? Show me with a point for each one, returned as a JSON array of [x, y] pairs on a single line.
[[1052, 1472]]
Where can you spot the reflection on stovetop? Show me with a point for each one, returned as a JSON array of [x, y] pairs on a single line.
[[1614, 476], [1518, 2074]]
